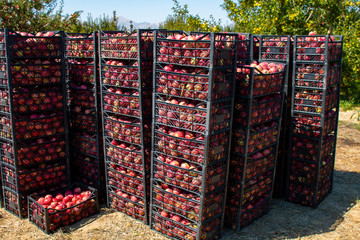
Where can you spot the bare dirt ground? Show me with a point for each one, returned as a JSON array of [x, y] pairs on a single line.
[[337, 217]]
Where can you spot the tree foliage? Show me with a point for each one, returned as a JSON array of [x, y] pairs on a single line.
[[35, 15], [181, 19], [295, 17], [105, 23]]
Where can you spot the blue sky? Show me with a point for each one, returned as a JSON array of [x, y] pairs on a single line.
[[153, 11]]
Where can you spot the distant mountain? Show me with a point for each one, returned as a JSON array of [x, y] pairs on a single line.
[[126, 22]]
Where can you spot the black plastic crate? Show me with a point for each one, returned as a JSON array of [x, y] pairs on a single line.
[[245, 48], [16, 203], [317, 76], [48, 150], [258, 110], [192, 107], [315, 101], [312, 149], [311, 168], [192, 84], [2, 43], [318, 48], [125, 45], [314, 125], [279, 48], [255, 47], [81, 45], [49, 218], [307, 173], [86, 145], [130, 75], [251, 81], [30, 180], [256, 164], [309, 195], [275, 47], [128, 184], [181, 215], [205, 50], [27, 45], [126, 71]]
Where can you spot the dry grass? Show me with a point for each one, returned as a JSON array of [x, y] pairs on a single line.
[[337, 217]]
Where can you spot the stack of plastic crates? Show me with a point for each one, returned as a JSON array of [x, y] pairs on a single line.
[[258, 106], [33, 117], [2, 81], [314, 118], [279, 48], [86, 144], [193, 101], [126, 64]]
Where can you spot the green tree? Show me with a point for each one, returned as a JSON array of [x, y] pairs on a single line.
[[105, 23], [181, 19], [35, 15], [295, 17]]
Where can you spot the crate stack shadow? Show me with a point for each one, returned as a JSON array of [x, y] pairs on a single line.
[[314, 118], [279, 48], [85, 118], [259, 97], [192, 103], [33, 128], [126, 65]]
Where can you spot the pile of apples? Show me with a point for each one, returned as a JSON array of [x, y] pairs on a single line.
[[261, 137], [63, 208], [313, 75], [124, 45], [313, 48], [268, 78], [263, 109], [42, 44], [307, 149], [128, 156], [41, 176], [35, 72], [80, 46]]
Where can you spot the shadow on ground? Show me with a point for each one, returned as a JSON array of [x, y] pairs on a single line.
[[288, 220]]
